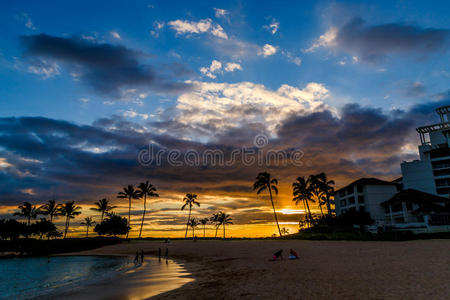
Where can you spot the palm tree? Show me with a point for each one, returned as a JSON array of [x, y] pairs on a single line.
[[224, 219], [69, 210], [326, 186], [316, 190], [262, 182], [215, 220], [204, 221], [130, 193], [189, 200], [193, 223], [302, 192], [27, 211], [50, 209], [146, 189], [88, 222], [103, 207], [284, 231]]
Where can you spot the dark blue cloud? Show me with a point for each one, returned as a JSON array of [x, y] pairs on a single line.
[[108, 69], [372, 43]]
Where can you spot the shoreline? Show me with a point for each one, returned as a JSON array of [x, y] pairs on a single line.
[[143, 281]]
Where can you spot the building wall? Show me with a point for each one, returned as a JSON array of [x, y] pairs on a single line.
[[367, 198], [418, 175], [375, 195]]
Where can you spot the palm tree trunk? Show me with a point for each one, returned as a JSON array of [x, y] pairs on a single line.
[[193, 233], [321, 211], [67, 227], [129, 214], [103, 213], [187, 224], [143, 215], [309, 211], [204, 231], [329, 205], [223, 231], [217, 227], [274, 212], [87, 231], [306, 211]]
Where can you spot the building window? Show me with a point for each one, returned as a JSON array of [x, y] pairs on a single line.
[[399, 220], [349, 190], [360, 188], [409, 205], [343, 203], [397, 207], [351, 200], [360, 199]]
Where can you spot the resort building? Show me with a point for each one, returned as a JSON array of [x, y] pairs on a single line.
[[365, 194], [419, 199], [431, 172]]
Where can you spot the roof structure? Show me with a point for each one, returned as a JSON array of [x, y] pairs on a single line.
[[368, 181]]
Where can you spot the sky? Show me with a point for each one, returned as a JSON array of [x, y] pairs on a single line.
[[92, 91]]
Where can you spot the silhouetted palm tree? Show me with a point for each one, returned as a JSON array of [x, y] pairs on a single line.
[[284, 231], [69, 210], [193, 223], [27, 211], [262, 182], [316, 190], [130, 193], [302, 192], [146, 189], [204, 221], [189, 200], [103, 207], [88, 222], [50, 209], [224, 220], [215, 220], [326, 186]]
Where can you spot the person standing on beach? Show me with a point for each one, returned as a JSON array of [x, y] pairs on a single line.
[[142, 256], [136, 258]]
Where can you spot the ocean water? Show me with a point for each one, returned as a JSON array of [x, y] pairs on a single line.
[[23, 278]]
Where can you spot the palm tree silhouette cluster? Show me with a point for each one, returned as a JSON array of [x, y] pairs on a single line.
[[314, 188], [218, 219]]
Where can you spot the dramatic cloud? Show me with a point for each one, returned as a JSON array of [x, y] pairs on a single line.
[[115, 35], [272, 27], [220, 13], [217, 107], [202, 26], [108, 69], [216, 68], [267, 50], [373, 42], [209, 71], [231, 67]]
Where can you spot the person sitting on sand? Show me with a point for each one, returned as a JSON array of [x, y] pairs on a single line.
[[276, 255], [293, 254]]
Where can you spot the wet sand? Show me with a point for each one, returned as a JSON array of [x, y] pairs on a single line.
[[325, 270]]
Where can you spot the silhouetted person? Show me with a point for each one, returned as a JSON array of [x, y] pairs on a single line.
[[142, 256], [278, 254], [136, 258], [293, 254]]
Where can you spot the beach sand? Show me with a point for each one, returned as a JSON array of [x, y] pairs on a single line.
[[326, 269]]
